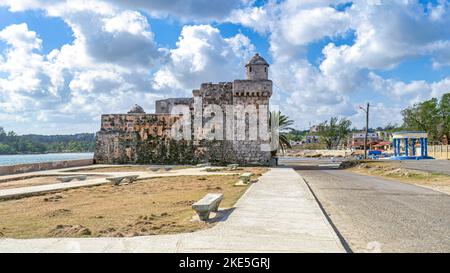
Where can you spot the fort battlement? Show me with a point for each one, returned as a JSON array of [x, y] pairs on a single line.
[[138, 137]]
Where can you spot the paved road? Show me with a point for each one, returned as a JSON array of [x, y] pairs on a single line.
[[438, 166], [276, 214], [376, 214]]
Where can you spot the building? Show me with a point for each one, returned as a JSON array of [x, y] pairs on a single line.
[[229, 111], [312, 136], [358, 139], [383, 146], [314, 129], [384, 136], [312, 139], [295, 142]]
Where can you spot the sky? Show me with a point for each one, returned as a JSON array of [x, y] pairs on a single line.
[[64, 63]]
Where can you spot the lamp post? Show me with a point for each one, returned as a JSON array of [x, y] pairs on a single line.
[[367, 128]]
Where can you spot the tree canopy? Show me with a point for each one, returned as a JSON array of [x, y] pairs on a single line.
[[332, 132], [431, 116], [11, 143], [284, 127]]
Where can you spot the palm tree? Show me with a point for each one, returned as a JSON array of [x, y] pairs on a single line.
[[284, 124]]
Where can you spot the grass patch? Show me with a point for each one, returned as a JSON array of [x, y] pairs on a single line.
[[147, 207]]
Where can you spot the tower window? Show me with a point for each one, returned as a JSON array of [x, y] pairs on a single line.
[[265, 69], [250, 69]]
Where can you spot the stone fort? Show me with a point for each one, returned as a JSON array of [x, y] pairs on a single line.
[[141, 138]]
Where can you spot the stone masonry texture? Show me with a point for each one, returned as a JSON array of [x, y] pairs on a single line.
[[141, 138]]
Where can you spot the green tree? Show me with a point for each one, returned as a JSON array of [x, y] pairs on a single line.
[[2, 134], [444, 110], [424, 116], [11, 143], [390, 127], [5, 149], [296, 135], [332, 132], [284, 127]]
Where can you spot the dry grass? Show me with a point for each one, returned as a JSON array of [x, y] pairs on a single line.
[[393, 170], [153, 206], [35, 181]]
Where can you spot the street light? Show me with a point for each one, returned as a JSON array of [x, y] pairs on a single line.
[[367, 128]]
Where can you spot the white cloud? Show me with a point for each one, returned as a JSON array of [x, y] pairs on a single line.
[[114, 60], [105, 69], [303, 26], [257, 18], [203, 55], [24, 70], [108, 66], [412, 92], [19, 37], [384, 36], [196, 10]]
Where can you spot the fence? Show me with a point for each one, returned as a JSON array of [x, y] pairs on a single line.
[[439, 151]]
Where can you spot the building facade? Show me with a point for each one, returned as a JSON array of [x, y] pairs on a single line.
[[358, 139], [241, 107]]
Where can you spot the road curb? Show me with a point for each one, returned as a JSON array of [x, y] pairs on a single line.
[[342, 240]]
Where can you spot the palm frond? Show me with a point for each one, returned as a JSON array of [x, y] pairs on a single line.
[[284, 126]]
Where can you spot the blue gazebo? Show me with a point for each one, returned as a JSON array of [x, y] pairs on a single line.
[[404, 144]]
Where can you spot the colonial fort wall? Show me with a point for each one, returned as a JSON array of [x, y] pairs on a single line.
[[138, 137]]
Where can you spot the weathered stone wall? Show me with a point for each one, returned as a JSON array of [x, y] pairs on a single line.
[[252, 93], [165, 106], [145, 138], [121, 136], [258, 72], [254, 88]]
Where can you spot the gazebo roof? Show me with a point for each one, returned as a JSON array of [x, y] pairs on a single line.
[[410, 134]]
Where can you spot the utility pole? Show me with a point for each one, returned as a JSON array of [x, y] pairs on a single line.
[[367, 131]]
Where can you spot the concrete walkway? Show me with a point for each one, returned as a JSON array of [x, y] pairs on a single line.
[[54, 187], [277, 214]]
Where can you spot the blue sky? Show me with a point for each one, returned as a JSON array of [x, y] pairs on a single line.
[[63, 64]]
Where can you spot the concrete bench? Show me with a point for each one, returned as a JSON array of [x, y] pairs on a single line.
[[66, 179], [118, 179], [245, 177], [214, 169], [233, 167], [208, 203], [153, 169]]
